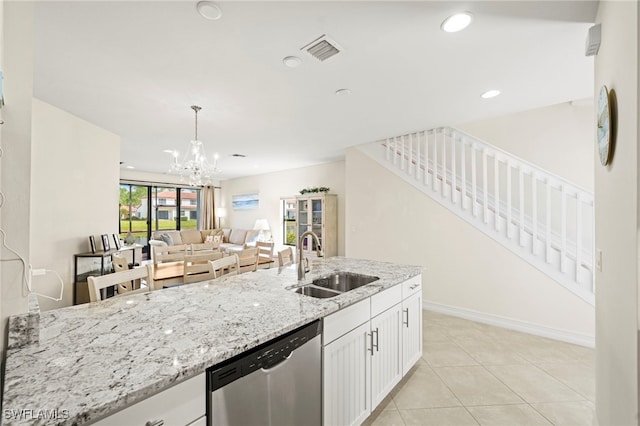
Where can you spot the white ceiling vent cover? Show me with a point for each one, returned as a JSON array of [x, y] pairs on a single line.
[[322, 48]]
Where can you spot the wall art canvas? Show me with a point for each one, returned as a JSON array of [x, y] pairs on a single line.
[[245, 201]]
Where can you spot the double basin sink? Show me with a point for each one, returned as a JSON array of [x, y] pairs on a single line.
[[335, 284]]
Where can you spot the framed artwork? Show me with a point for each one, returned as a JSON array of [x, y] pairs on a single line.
[[105, 242], [92, 243], [116, 241], [245, 201]]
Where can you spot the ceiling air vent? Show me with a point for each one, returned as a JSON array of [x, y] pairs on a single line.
[[322, 48]]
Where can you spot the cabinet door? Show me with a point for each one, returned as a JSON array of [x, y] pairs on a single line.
[[411, 331], [386, 360], [346, 376]]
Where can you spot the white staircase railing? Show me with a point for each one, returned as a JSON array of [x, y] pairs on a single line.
[[543, 218]]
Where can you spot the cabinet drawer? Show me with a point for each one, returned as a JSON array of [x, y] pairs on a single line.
[[382, 301], [345, 320], [411, 286], [179, 405]]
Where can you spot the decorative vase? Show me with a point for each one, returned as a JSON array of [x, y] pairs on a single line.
[[129, 239]]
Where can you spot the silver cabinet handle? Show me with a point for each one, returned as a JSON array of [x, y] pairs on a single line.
[[371, 348], [154, 423], [406, 311], [376, 345], [414, 286]]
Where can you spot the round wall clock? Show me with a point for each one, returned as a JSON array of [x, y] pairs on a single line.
[[604, 126]]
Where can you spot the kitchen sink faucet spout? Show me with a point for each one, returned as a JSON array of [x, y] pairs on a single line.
[[301, 267]]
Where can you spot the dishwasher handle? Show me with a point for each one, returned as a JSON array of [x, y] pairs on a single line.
[[277, 364]]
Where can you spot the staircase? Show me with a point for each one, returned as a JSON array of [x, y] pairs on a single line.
[[543, 218]]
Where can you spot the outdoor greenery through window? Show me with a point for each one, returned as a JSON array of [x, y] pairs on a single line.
[[144, 209], [289, 221]]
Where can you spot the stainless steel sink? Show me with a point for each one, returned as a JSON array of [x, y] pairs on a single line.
[[344, 281], [317, 292]]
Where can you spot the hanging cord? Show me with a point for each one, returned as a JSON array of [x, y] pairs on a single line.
[[55, 299], [25, 281]]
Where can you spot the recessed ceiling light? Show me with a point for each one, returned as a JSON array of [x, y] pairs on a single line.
[[209, 10], [490, 94], [292, 61], [130, 167], [168, 151], [343, 92], [457, 22]]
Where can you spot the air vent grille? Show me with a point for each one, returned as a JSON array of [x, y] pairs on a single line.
[[322, 48]]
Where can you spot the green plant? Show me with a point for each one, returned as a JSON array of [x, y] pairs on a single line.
[[291, 238], [314, 190]]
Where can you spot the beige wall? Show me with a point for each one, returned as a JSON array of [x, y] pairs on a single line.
[[387, 219], [549, 137], [74, 193], [616, 209], [17, 64], [274, 186]]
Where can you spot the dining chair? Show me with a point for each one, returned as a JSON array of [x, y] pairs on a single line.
[[120, 264], [228, 265], [265, 252], [285, 257], [96, 284], [169, 253], [198, 247], [248, 260], [196, 266]]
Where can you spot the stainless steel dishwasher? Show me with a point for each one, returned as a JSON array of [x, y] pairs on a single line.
[[278, 383]]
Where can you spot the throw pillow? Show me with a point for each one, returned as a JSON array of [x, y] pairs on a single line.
[[167, 239], [218, 238], [209, 239]]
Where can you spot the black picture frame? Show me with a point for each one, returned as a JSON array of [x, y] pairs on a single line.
[[92, 243], [105, 242], [116, 241]]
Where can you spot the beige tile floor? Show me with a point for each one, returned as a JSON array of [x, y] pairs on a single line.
[[476, 374]]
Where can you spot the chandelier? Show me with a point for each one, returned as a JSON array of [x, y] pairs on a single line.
[[194, 165]]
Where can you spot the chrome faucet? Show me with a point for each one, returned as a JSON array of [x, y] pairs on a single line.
[[302, 270]]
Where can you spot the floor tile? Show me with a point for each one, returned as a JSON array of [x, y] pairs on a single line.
[[423, 389], [568, 413], [446, 354], [385, 418], [577, 375], [476, 386], [533, 384], [488, 351], [508, 415], [454, 416]]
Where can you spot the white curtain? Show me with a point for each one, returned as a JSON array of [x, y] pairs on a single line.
[[208, 208]]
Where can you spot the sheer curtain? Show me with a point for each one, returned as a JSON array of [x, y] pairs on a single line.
[[208, 208]]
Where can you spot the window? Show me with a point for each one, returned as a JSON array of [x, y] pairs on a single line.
[[289, 221]]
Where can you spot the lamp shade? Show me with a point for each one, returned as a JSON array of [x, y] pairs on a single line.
[[262, 225]]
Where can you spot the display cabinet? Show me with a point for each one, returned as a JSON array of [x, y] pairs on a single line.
[[318, 213]]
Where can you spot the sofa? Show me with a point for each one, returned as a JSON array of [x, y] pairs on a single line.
[[231, 239]]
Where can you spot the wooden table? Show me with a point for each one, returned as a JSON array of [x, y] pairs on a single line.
[[168, 273]]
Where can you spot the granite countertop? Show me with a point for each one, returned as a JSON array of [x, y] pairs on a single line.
[[95, 359]]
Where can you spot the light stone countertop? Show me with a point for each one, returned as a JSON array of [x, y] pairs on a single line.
[[97, 358]]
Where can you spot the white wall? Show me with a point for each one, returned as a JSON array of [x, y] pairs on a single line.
[[74, 193], [274, 186], [616, 204], [549, 137], [387, 219], [17, 28]]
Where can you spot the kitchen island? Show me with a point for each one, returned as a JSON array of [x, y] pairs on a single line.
[[95, 359]]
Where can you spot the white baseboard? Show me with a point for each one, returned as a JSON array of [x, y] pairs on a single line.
[[513, 324]]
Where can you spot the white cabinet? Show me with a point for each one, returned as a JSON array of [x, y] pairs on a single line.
[[318, 213], [368, 348], [181, 405], [386, 365], [346, 375], [411, 331]]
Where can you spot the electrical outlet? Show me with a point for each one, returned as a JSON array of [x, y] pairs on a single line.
[[36, 272], [599, 260]]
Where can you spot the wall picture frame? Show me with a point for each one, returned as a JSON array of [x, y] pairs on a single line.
[[92, 243], [105, 242], [116, 241], [248, 201]]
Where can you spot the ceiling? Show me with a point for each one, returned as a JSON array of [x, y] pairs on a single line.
[[135, 68]]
